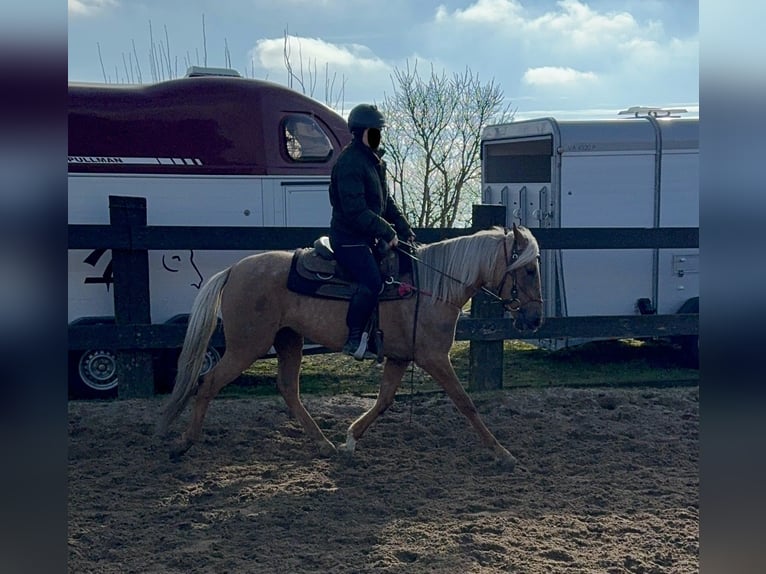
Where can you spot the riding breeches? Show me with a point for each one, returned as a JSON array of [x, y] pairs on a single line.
[[357, 260]]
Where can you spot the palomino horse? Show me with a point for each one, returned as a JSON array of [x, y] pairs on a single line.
[[258, 311]]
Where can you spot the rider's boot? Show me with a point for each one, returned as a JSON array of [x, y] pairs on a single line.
[[356, 345]]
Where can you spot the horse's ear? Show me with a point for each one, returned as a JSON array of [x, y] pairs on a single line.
[[518, 237]]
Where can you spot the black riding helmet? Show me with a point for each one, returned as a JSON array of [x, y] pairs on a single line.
[[365, 116]]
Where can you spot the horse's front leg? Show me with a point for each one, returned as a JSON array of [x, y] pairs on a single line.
[[393, 371], [289, 347], [441, 370]]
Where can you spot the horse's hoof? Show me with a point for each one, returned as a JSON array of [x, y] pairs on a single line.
[[346, 450], [327, 450], [507, 461], [177, 451]]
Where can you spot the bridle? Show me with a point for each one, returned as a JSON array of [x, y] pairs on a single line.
[[513, 304]]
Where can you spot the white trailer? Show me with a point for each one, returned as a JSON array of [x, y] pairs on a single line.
[[640, 172], [210, 149]]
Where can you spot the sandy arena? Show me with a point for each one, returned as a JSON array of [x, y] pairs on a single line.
[[607, 482]]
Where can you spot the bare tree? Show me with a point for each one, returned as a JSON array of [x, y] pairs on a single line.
[[433, 141], [163, 65], [302, 75], [305, 80]]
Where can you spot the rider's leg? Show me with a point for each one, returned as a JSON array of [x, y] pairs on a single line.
[[357, 259]]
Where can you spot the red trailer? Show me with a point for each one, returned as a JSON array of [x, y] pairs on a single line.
[[211, 148]]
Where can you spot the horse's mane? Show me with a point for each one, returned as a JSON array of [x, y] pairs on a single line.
[[448, 266]]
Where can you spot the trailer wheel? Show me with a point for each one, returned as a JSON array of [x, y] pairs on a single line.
[[169, 359], [169, 367], [93, 374]]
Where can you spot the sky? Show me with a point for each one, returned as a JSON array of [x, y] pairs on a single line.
[[565, 58]]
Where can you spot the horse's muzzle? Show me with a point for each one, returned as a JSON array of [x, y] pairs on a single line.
[[528, 319]]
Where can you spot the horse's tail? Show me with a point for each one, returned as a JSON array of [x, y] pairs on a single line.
[[202, 324]]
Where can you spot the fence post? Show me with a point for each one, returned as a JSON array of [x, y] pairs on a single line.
[[486, 357], [131, 298]]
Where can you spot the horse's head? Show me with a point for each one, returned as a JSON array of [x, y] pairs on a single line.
[[520, 287]]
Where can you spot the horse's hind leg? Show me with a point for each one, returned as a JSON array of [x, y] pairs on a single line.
[[289, 346], [393, 371], [231, 365], [441, 370]]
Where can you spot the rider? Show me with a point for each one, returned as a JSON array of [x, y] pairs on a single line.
[[365, 219]]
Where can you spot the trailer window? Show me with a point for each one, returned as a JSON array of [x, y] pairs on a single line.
[[524, 161], [304, 140]]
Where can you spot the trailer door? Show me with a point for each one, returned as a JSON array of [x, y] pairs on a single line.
[[678, 275], [520, 175], [517, 174], [606, 190]]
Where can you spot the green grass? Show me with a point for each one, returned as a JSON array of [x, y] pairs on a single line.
[[613, 362], [602, 363]]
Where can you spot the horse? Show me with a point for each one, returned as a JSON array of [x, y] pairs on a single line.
[[258, 311]]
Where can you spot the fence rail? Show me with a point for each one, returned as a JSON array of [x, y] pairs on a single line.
[[169, 336], [133, 337], [168, 237]]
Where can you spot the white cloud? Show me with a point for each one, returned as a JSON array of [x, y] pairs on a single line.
[[88, 7], [551, 75], [645, 52], [572, 26], [320, 66], [269, 53], [584, 27], [578, 47], [484, 11]]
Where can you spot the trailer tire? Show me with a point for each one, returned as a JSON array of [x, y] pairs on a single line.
[[168, 363], [166, 375], [93, 374]]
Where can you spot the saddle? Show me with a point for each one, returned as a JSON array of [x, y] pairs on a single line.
[[315, 272]]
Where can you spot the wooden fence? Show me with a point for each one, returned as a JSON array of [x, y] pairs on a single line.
[[133, 337]]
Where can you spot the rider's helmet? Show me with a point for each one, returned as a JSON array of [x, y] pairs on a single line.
[[365, 116]]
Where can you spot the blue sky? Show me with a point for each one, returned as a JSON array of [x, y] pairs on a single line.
[[566, 58]]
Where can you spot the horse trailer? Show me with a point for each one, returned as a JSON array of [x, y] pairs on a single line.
[[639, 172], [208, 149]]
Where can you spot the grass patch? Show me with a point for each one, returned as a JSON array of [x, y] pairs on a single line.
[[326, 373], [613, 362], [600, 363]]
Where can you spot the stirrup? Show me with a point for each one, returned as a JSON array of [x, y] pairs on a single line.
[[361, 352]]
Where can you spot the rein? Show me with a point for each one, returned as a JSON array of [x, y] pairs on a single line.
[[512, 304], [414, 340]]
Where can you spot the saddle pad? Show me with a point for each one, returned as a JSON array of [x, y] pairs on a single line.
[[312, 275]]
